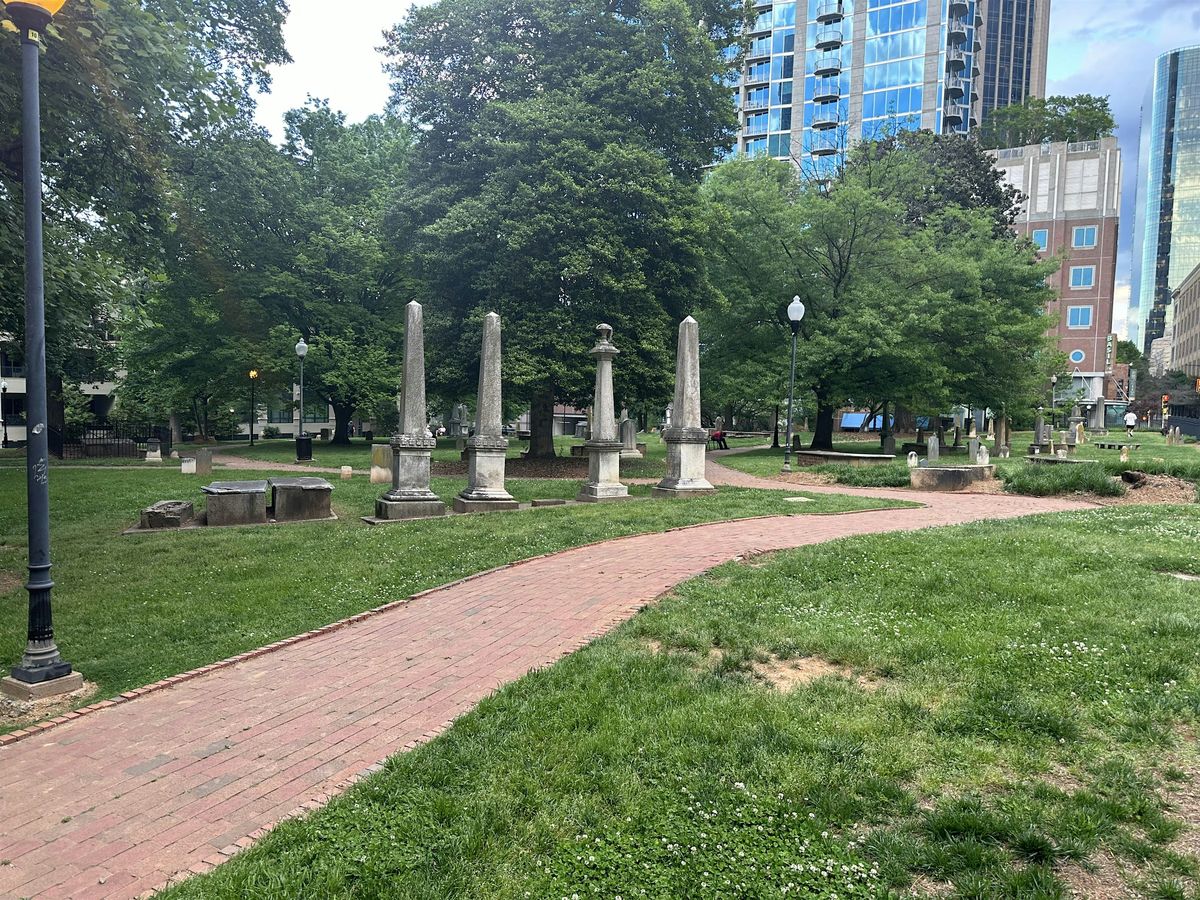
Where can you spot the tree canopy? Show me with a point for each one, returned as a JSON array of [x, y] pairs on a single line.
[[1083, 117]]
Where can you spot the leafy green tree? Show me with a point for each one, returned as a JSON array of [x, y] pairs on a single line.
[[554, 182], [914, 310], [123, 84], [1080, 118]]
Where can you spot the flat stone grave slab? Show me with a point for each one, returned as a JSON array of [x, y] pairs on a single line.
[[1110, 445], [301, 499], [236, 502], [823, 457], [168, 514], [948, 478], [1048, 459]]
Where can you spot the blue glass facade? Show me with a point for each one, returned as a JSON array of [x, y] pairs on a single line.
[[822, 74], [1167, 218]]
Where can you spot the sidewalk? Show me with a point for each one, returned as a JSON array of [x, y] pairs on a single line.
[[118, 802]]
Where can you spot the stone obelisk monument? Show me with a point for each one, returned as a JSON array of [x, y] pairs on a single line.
[[487, 448], [604, 446], [410, 496], [686, 439]]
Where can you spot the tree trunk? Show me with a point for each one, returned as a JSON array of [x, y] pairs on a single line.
[[541, 425], [884, 424], [775, 436], [341, 422], [176, 429], [823, 436]]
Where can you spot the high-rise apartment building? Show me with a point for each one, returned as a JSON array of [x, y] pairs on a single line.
[[822, 74], [1071, 211], [1016, 34], [1167, 217]]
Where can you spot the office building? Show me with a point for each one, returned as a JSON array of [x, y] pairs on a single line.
[[1167, 214], [1016, 34], [1185, 343], [822, 74], [1072, 211]]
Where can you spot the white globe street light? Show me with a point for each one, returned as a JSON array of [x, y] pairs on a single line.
[[795, 312]]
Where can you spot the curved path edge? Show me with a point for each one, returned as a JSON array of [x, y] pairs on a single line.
[[122, 803]]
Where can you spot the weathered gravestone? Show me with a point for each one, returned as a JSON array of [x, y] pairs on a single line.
[[934, 450], [487, 447], [604, 445], [686, 439]]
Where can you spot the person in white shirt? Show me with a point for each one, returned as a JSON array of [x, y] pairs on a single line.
[[1130, 423]]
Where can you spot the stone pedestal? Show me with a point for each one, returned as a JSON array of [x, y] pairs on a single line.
[[381, 464], [168, 514], [604, 446], [203, 461], [686, 440], [25, 692], [487, 448], [410, 496]]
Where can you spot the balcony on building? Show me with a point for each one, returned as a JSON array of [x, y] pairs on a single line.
[[824, 144], [829, 11], [959, 7], [829, 64], [829, 39], [956, 60], [953, 113], [825, 116], [826, 89], [956, 31], [755, 103], [955, 87]]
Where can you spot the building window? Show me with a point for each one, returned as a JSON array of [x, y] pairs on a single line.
[[1079, 317], [1083, 277], [1041, 238], [282, 410], [1084, 237], [1077, 356]]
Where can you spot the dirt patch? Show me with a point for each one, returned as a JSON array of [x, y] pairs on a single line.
[[1102, 880], [9, 582], [805, 478], [924, 886], [16, 714], [788, 674], [1155, 489]]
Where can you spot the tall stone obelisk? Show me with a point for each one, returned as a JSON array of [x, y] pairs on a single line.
[[604, 446], [410, 496], [487, 447], [686, 439]]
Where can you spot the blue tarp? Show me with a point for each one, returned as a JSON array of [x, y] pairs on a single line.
[[853, 421]]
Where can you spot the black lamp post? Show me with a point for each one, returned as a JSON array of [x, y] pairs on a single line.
[[303, 441], [795, 313], [41, 661], [253, 409], [3, 421], [1053, 400]]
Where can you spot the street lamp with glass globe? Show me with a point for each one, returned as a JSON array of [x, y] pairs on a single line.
[[303, 441], [41, 672], [795, 312], [253, 408], [1053, 399]]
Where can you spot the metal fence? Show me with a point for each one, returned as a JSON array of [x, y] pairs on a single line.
[[107, 441]]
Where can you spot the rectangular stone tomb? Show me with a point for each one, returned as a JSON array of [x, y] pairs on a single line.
[[949, 478], [168, 514], [236, 502], [1049, 459], [300, 499]]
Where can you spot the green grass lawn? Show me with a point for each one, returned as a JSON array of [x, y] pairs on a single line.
[[1033, 696], [132, 609]]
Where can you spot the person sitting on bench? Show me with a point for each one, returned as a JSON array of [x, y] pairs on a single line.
[[718, 438]]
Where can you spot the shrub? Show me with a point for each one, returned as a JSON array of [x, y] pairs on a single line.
[[1046, 480], [270, 431]]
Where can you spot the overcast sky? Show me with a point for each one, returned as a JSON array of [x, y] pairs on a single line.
[[1105, 47]]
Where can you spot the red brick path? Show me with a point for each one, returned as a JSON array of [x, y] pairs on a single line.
[[118, 802]]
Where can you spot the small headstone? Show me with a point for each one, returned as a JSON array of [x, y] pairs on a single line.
[[174, 454], [796, 443], [1080, 433], [381, 464], [983, 457], [1124, 454], [203, 461], [581, 430], [629, 448], [347, 473], [551, 501], [1005, 451], [972, 450], [889, 445], [1070, 437], [1061, 452], [168, 514], [934, 451], [957, 436], [187, 465], [913, 460]]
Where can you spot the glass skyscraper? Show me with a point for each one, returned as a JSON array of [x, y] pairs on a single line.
[[1016, 34], [822, 74], [1167, 218]]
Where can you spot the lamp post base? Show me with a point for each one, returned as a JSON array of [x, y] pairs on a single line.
[[26, 692]]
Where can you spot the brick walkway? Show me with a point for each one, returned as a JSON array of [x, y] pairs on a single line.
[[118, 802]]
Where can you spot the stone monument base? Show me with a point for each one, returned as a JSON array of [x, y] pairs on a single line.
[[399, 510], [682, 490], [465, 505], [26, 693], [604, 472]]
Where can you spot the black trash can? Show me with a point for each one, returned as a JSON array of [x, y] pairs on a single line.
[[304, 448]]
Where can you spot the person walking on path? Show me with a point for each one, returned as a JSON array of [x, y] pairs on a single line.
[[1130, 423]]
